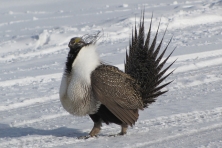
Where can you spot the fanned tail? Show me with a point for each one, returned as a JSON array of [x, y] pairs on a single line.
[[144, 64]]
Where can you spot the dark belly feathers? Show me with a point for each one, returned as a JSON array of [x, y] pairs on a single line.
[[105, 115]]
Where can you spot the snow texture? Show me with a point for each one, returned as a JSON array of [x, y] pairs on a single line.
[[33, 47]]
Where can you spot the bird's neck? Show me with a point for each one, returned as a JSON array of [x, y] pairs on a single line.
[[69, 61], [84, 63]]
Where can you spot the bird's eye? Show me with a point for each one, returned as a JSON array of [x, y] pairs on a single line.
[[76, 40], [72, 42]]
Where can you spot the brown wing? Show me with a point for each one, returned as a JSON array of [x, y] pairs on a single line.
[[118, 92]]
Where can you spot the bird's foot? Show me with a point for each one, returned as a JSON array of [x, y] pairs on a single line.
[[123, 131], [119, 134], [86, 137]]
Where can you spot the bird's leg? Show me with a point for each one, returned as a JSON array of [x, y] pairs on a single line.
[[123, 129], [96, 128]]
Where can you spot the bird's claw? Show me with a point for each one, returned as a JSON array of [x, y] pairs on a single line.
[[86, 137], [119, 134]]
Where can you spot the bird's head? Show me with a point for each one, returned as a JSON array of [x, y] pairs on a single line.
[[76, 43]]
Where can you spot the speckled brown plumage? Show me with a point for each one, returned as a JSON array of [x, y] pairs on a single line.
[[118, 92]]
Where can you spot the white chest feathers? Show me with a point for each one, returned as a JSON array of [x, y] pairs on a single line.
[[75, 89]]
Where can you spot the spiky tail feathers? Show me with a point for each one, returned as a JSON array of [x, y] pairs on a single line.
[[144, 64]]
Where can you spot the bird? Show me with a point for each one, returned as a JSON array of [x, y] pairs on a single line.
[[91, 87]]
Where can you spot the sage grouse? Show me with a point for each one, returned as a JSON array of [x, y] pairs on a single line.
[[107, 94]]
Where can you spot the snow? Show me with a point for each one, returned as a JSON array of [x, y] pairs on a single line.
[[33, 47]]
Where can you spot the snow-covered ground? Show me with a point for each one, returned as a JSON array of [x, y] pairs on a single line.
[[33, 48]]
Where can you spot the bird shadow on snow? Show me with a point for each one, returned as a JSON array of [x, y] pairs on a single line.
[[12, 132]]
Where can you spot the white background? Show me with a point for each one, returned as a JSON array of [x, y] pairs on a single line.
[[33, 49]]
